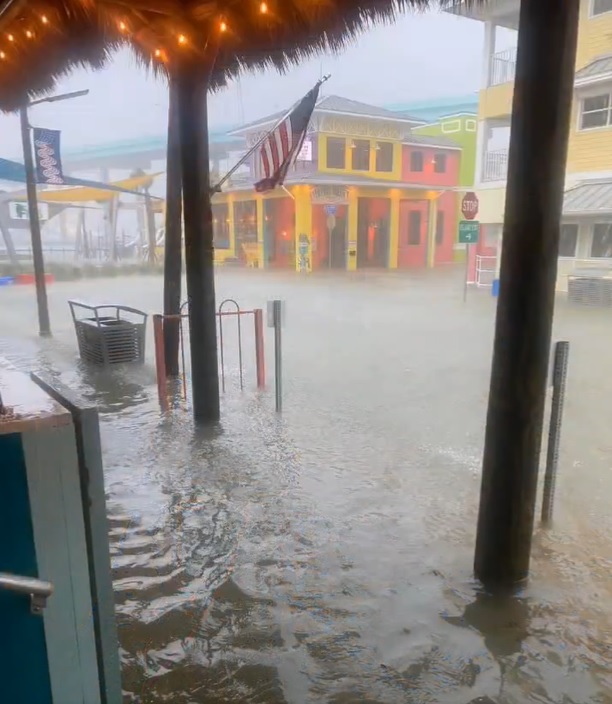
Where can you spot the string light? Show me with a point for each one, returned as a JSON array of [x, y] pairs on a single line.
[[223, 26], [10, 37], [44, 19], [158, 53], [182, 39], [122, 26], [263, 8], [29, 34], [2, 55]]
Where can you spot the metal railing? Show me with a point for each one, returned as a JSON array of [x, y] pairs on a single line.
[[503, 67], [495, 166], [486, 268]]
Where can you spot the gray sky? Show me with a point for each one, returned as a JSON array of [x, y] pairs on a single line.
[[422, 56]]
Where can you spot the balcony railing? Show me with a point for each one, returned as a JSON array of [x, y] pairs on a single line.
[[503, 67], [495, 166]]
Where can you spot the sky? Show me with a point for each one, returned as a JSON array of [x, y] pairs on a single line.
[[421, 56]]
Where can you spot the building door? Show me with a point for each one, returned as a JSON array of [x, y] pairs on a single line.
[[412, 238], [337, 244]]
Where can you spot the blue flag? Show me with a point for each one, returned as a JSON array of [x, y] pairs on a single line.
[[47, 154]]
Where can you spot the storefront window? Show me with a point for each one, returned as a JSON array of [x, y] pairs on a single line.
[[602, 240], [221, 229], [440, 227], [384, 157], [414, 227], [245, 224], [568, 239], [336, 153], [361, 155]]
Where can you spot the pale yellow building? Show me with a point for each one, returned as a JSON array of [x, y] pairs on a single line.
[[586, 235]]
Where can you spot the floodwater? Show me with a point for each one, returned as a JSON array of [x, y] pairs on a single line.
[[325, 555]]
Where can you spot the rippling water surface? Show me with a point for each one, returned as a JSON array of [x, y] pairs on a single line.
[[325, 555]]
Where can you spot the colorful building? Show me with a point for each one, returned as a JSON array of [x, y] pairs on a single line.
[[586, 231], [367, 190]]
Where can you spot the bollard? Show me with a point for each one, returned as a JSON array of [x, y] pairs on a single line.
[[275, 315], [160, 361], [559, 381], [260, 358]]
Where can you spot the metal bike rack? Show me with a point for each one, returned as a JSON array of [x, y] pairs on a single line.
[[221, 312]]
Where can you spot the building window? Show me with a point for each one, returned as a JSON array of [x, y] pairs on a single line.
[[414, 227], [384, 157], [601, 246], [361, 155], [440, 227], [440, 163], [416, 161], [595, 112], [336, 153], [568, 238], [221, 230], [599, 7]]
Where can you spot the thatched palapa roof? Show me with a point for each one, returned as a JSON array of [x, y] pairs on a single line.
[[41, 40]]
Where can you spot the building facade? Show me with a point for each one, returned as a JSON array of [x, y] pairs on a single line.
[[367, 190], [586, 229]]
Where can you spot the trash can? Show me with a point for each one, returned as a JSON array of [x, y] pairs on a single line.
[[109, 333]]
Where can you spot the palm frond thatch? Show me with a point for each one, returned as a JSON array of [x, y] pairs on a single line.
[[42, 40]]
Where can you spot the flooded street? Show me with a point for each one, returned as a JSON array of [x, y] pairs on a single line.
[[325, 555]]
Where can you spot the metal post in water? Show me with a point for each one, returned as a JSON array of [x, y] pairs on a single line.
[[160, 361], [554, 432], [260, 359], [278, 371]]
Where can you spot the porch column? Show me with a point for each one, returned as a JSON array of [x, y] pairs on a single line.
[[303, 229], [521, 351], [394, 229], [482, 142], [487, 55], [432, 222], [230, 226], [199, 253], [353, 215], [261, 263]]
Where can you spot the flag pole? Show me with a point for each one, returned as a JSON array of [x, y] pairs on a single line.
[[228, 175]]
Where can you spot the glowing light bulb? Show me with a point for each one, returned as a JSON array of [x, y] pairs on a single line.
[[10, 37], [158, 53], [223, 26], [29, 34], [182, 39], [263, 8], [44, 19], [2, 55], [122, 26]]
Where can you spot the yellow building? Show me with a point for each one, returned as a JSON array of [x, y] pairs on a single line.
[[586, 234], [365, 191]]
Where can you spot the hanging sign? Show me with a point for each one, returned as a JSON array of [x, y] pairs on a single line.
[[305, 153], [47, 155]]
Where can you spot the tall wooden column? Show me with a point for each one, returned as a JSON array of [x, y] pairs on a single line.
[[173, 237], [192, 87], [534, 197]]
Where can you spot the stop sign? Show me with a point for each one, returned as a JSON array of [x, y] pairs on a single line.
[[469, 206]]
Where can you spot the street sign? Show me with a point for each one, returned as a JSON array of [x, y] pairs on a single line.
[[18, 210], [469, 206], [468, 231]]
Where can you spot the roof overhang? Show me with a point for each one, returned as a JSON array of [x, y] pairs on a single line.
[[504, 13]]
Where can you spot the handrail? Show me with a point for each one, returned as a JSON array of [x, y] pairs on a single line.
[[39, 590]]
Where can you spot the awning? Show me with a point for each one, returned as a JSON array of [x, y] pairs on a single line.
[[588, 199], [104, 192], [14, 171]]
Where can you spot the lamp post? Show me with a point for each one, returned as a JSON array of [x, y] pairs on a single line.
[[44, 325]]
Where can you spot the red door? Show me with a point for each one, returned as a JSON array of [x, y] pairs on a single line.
[[412, 237]]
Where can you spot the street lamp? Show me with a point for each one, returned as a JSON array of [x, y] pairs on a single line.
[[44, 325]]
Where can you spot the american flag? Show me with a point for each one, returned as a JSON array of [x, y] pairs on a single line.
[[284, 142]]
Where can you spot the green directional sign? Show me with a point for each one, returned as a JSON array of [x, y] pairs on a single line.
[[468, 231]]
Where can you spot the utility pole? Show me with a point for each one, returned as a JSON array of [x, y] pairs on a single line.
[[44, 324]]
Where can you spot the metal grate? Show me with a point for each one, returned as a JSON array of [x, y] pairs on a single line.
[[590, 291]]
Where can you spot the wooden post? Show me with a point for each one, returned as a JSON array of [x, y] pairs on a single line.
[[173, 239], [44, 324], [536, 173], [192, 85]]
